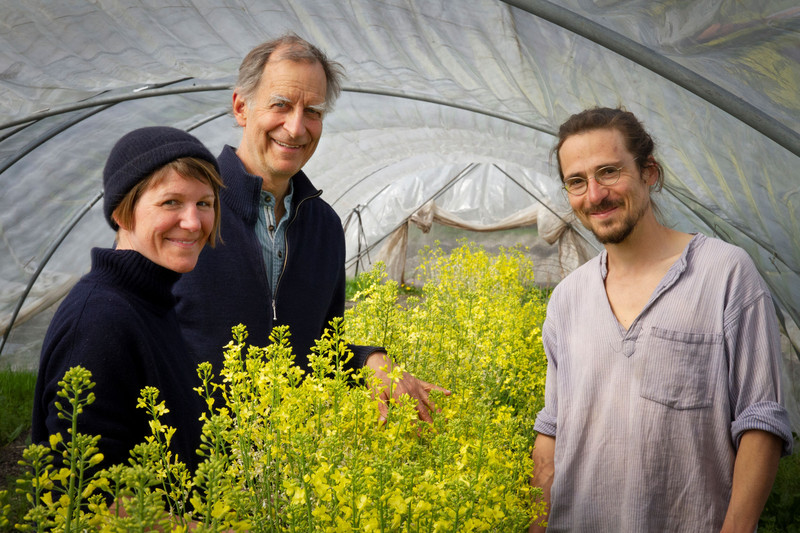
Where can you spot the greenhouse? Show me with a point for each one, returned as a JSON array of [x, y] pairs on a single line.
[[443, 131]]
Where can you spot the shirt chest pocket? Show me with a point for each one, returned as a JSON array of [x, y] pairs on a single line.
[[678, 368]]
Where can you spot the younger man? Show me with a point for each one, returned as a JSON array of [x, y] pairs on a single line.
[[663, 404]]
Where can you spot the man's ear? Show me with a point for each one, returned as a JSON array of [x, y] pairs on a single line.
[[239, 108], [650, 171]]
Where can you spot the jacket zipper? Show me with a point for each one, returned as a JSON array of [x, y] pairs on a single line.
[[286, 254]]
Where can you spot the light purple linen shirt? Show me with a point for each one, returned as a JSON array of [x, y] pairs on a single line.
[[647, 421]]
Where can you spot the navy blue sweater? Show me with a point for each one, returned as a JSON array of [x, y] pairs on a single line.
[[229, 284], [119, 322]]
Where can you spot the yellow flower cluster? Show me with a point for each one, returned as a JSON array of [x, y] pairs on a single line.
[[288, 450]]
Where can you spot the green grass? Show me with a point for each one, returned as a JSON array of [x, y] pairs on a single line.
[[16, 397], [351, 288]]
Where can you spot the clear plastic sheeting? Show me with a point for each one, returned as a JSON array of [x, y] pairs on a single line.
[[449, 107]]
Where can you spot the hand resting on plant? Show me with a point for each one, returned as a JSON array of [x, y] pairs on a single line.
[[399, 382]]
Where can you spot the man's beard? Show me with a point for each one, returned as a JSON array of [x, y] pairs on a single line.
[[624, 229]]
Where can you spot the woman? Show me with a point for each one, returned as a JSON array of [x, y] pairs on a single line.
[[161, 193]]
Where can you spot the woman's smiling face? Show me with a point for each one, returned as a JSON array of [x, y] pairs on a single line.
[[172, 221]]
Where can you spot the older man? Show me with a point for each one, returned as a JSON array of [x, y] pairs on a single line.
[[663, 404], [281, 260]]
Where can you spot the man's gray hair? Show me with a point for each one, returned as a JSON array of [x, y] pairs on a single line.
[[296, 49]]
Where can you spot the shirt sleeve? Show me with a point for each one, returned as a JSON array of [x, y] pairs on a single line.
[[546, 419], [754, 375]]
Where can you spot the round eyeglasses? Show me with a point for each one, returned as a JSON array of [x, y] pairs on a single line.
[[604, 176]]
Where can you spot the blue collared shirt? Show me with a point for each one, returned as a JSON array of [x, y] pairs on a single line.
[[272, 234]]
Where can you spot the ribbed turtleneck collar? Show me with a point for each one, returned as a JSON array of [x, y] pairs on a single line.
[[134, 273]]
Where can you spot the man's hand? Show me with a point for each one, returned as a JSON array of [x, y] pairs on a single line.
[[543, 455], [417, 389]]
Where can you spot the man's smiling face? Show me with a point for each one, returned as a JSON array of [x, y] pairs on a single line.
[[283, 120], [610, 212]]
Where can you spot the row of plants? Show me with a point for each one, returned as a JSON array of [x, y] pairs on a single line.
[[295, 451], [291, 452]]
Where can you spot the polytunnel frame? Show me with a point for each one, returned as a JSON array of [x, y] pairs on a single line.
[[151, 91], [577, 24], [357, 211], [665, 67], [96, 106], [689, 80], [356, 260]]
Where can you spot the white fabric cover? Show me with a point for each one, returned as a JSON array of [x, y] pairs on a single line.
[[454, 103]]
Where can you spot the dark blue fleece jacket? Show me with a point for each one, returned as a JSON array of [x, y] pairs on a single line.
[[119, 322], [229, 284]]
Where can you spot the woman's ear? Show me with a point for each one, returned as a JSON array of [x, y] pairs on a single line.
[[122, 239], [120, 226]]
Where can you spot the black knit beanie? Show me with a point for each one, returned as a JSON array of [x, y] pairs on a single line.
[[140, 153]]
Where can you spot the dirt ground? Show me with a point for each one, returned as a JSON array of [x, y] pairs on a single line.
[[10, 455]]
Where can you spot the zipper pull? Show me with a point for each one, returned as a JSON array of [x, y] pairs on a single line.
[[274, 310]]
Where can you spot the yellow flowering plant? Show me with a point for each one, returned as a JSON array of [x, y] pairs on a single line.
[[300, 450]]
